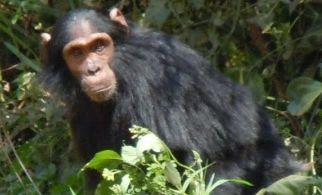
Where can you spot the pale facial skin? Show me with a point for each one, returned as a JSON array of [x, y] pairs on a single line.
[[89, 60]]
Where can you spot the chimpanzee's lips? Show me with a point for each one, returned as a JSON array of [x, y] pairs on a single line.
[[102, 89]]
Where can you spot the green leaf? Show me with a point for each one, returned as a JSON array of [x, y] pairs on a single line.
[[20, 94], [172, 175], [302, 92], [22, 57], [213, 37], [197, 3], [291, 185], [125, 183], [103, 159], [130, 155], [240, 181], [72, 191], [149, 142], [211, 185], [104, 187], [192, 180], [256, 83], [218, 183], [157, 11]]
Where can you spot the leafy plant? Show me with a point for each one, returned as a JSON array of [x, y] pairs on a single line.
[[151, 168], [302, 92], [291, 185]]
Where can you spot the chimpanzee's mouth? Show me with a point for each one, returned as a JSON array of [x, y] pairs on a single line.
[[104, 89]]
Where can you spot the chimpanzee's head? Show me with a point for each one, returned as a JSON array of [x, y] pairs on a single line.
[[82, 44]]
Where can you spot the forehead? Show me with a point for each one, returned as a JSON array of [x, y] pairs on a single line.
[[80, 29]]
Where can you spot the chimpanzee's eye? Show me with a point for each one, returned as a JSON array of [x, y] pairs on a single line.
[[99, 46], [76, 52]]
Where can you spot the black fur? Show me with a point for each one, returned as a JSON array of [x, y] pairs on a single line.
[[169, 88]]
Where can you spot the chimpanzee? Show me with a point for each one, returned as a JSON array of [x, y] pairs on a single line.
[[112, 74]]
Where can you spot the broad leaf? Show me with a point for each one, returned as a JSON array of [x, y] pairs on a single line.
[[130, 155], [302, 92], [103, 159], [157, 11], [172, 175], [125, 183], [291, 185], [149, 142]]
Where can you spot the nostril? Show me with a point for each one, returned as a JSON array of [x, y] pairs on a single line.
[[93, 69]]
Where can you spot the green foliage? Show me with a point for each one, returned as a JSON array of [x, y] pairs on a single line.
[[293, 184], [33, 133], [302, 92], [150, 168]]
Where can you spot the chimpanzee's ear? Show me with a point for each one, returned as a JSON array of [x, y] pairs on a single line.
[[45, 38], [44, 45], [117, 16]]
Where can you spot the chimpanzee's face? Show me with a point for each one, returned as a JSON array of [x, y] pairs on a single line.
[[89, 57]]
